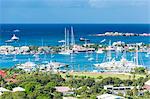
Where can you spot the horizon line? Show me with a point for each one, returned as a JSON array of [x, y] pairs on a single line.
[[76, 23]]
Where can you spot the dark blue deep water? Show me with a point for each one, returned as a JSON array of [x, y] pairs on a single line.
[[50, 34]]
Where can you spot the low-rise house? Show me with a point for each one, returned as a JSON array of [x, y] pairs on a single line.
[[64, 90], [109, 96], [109, 87], [2, 73], [116, 90], [2, 90], [1, 93], [18, 89], [147, 85], [9, 80]]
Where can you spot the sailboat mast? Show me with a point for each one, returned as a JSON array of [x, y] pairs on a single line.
[[65, 39], [42, 42], [72, 37], [137, 55], [109, 51]]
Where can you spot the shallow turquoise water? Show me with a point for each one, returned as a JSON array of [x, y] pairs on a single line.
[[76, 61], [50, 34]]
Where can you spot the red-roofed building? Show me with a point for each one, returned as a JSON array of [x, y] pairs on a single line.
[[2, 73], [11, 80], [147, 85]]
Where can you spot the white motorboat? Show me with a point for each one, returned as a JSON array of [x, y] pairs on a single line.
[[122, 65], [65, 52], [55, 65], [14, 37], [90, 59], [28, 66]]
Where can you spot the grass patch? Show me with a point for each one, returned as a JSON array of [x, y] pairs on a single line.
[[104, 75]]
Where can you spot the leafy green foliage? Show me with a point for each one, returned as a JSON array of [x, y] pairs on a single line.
[[140, 70], [40, 85]]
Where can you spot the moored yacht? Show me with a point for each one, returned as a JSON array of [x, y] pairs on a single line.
[[14, 37], [55, 65], [123, 65], [27, 66], [67, 45]]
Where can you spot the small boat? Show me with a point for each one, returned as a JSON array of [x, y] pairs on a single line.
[[36, 57], [91, 59], [14, 59], [86, 56], [103, 40], [65, 52], [61, 41], [16, 30], [147, 55], [45, 61], [83, 39], [14, 37], [56, 65], [95, 71]]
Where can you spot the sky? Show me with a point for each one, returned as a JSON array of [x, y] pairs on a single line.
[[75, 11]]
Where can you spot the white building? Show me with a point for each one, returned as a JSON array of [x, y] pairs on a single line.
[[18, 89], [109, 96]]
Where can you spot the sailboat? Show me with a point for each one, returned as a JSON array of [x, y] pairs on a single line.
[[67, 50], [45, 59], [87, 53], [147, 54], [14, 59], [90, 57], [36, 57], [122, 65]]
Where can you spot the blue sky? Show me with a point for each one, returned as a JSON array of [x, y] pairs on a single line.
[[74, 11]]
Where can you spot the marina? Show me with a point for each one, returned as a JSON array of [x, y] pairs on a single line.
[[76, 62], [72, 51]]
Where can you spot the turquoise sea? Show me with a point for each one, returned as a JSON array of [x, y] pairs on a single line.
[[50, 34]]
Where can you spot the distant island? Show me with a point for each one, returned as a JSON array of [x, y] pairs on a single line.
[[120, 34]]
